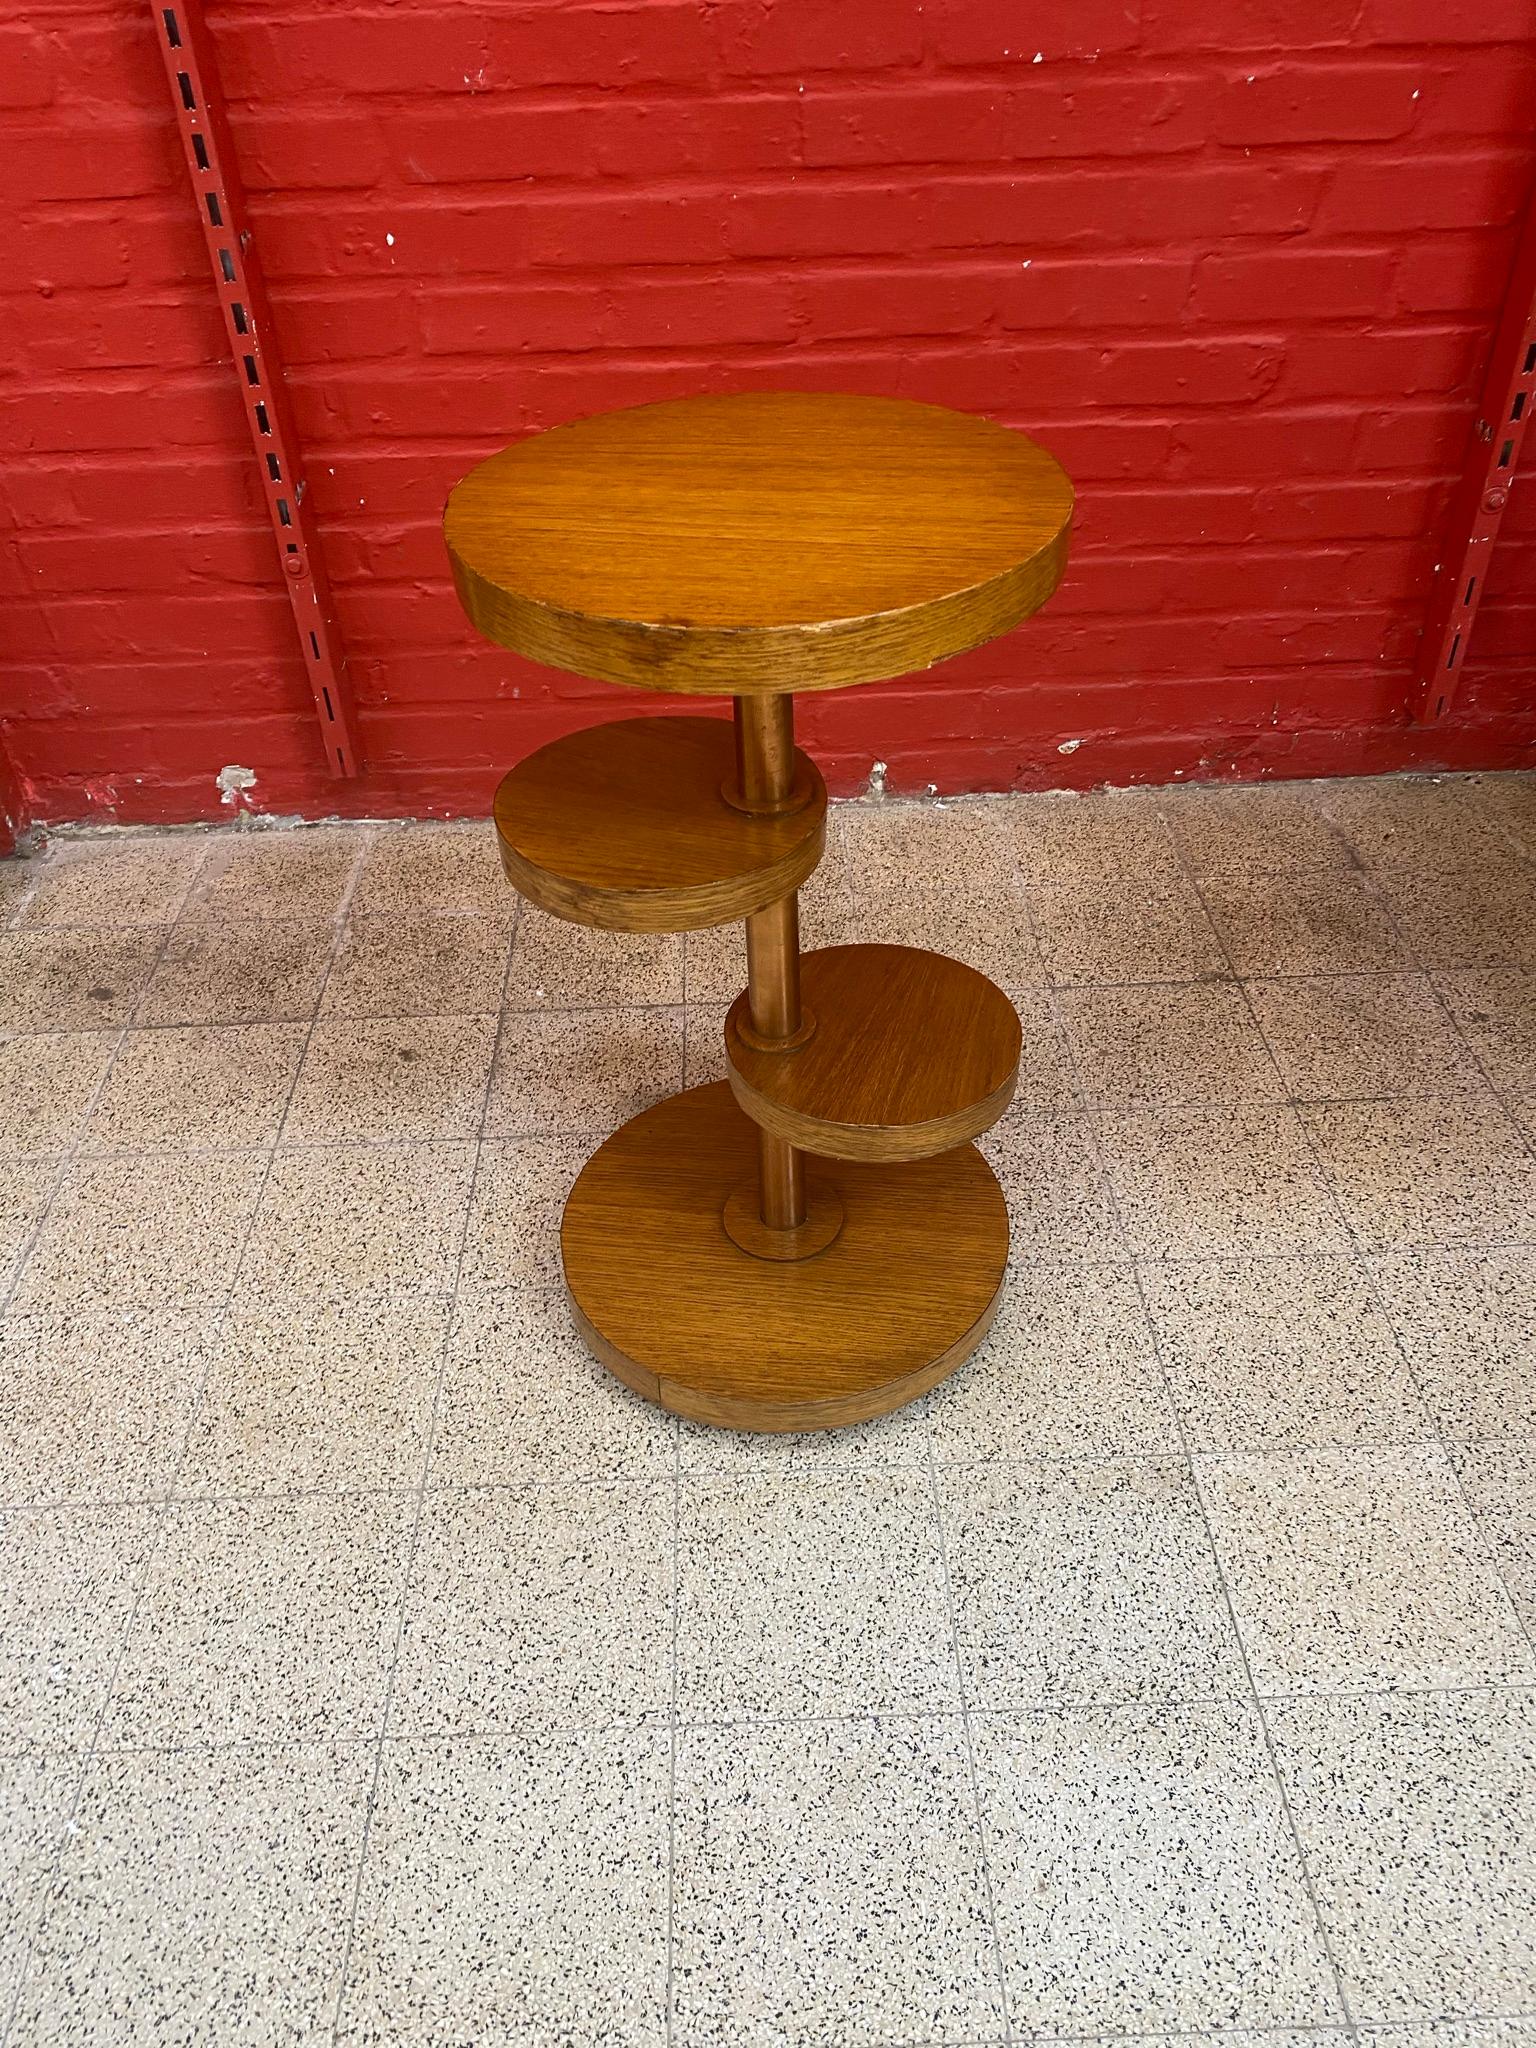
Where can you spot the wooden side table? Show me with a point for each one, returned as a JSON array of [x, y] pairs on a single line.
[[817, 1241]]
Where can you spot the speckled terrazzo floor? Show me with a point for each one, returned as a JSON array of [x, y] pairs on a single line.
[[371, 1666]]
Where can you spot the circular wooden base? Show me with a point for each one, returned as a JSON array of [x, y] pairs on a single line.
[[902, 1295]]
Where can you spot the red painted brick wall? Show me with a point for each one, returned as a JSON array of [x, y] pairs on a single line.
[[1234, 261]]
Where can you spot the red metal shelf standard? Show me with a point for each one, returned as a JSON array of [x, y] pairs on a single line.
[[1477, 510], [198, 99]]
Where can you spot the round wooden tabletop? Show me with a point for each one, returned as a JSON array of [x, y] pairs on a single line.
[[780, 540]]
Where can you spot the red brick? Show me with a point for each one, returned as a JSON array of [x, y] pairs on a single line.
[[1318, 103], [1250, 287], [1466, 273], [1092, 293], [1426, 21], [871, 303], [1465, 190], [761, 38], [982, 32], [1233, 25]]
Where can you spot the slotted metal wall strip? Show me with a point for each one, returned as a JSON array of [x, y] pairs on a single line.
[[198, 100], [1477, 510]]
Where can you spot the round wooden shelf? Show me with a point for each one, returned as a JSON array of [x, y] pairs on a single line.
[[900, 1297], [911, 1053], [625, 826], [766, 541]]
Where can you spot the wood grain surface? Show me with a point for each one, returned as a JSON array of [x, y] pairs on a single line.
[[905, 1291], [911, 1053], [624, 826], [785, 540]]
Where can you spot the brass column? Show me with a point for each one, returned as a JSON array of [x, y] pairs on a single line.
[[765, 760]]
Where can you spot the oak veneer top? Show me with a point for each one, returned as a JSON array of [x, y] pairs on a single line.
[[788, 540]]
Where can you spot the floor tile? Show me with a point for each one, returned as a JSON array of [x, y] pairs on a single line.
[[73, 980], [1075, 841], [47, 1083], [1510, 801], [115, 882], [271, 1620], [990, 931], [1281, 1354], [1215, 1183], [1499, 1481], [560, 966], [515, 1893], [367, 1218], [237, 973], [546, 1606], [916, 845], [1495, 1012], [142, 1230], [201, 1896], [1459, 918], [583, 1070], [521, 1185], [1144, 1874], [1086, 1581], [1140, 928], [802, 1915], [811, 1596], [68, 1577], [1465, 1322], [1413, 822], [317, 1396], [26, 1187], [1502, 2033], [1315, 921], [1357, 1034], [704, 1044], [1418, 1817], [715, 962], [190, 1086], [453, 869], [36, 1793], [1261, 828], [18, 878], [1439, 1170], [1167, 1043], [1059, 1204], [97, 1403], [267, 874], [1068, 1371], [523, 1399], [401, 966], [1359, 1571], [899, 1440], [382, 1078], [1047, 1078]]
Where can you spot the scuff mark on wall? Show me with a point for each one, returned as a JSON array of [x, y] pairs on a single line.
[[233, 782]]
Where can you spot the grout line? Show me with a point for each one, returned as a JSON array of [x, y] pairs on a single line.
[[962, 1696], [413, 1537], [654, 1721], [673, 1729], [1254, 1702], [1430, 1408]]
